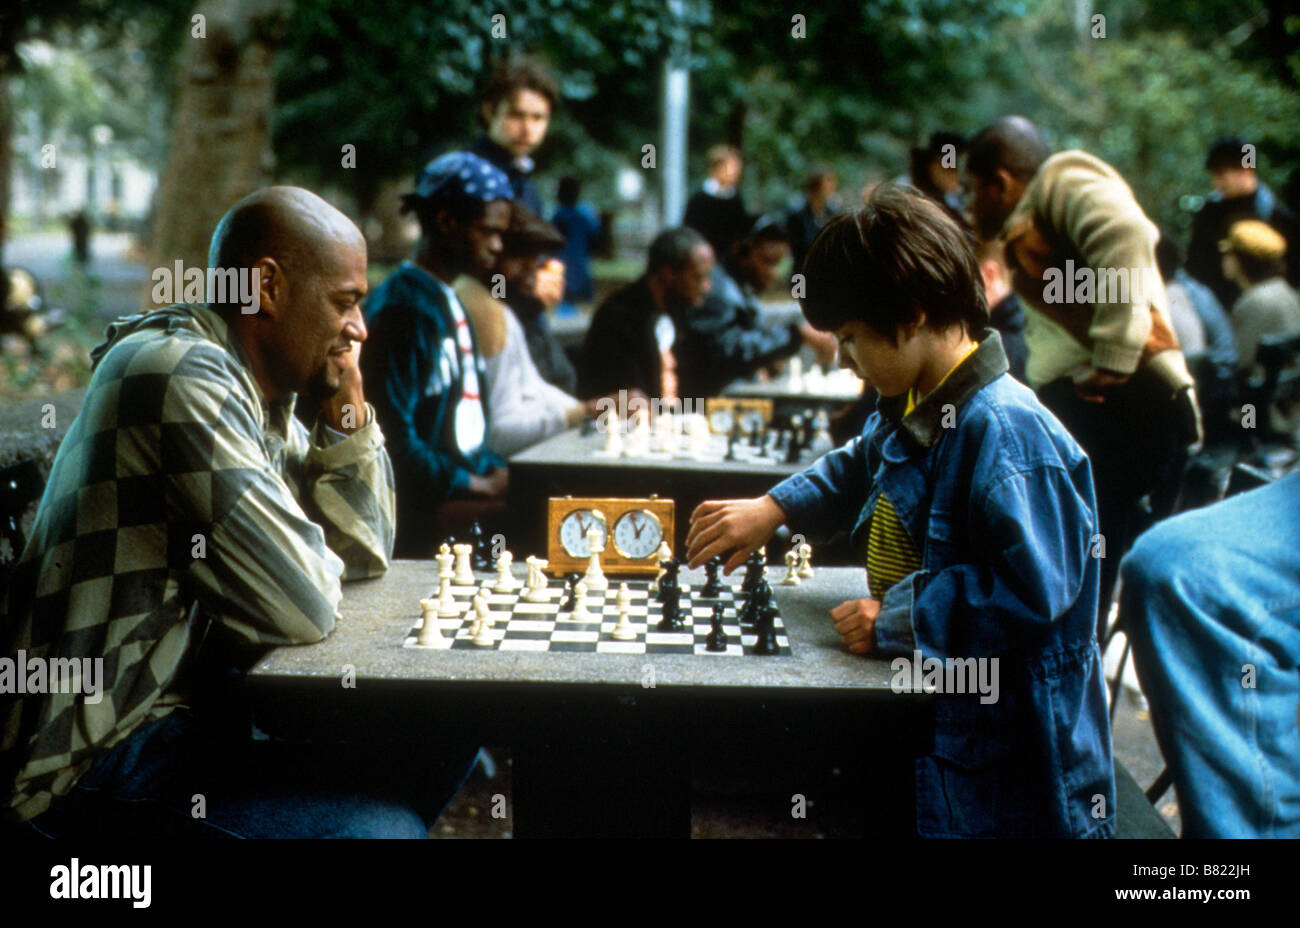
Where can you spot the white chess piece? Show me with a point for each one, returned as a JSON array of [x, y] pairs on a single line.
[[464, 573], [444, 557], [536, 589], [663, 554], [794, 375], [805, 560], [482, 622], [595, 577], [697, 434], [623, 631], [447, 608], [580, 611], [430, 634], [791, 577], [505, 580], [821, 441], [613, 435], [638, 434]]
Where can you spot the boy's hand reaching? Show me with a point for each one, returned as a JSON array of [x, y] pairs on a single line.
[[855, 620], [739, 525]]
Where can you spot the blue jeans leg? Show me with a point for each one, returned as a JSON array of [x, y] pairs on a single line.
[[1210, 597], [156, 782]]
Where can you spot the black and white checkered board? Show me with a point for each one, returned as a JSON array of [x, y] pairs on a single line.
[[519, 625]]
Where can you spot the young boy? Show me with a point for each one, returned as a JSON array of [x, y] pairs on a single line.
[[975, 514]]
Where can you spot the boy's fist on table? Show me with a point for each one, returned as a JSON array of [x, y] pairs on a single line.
[[855, 620]]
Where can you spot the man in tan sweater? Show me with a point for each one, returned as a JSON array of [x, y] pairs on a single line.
[[1102, 353]]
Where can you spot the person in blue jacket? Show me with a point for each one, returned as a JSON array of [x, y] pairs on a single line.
[[424, 359], [975, 516]]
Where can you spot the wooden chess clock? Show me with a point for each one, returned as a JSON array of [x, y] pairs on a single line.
[[724, 411], [630, 529]]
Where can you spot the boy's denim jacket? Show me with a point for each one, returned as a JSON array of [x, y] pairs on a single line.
[[998, 498]]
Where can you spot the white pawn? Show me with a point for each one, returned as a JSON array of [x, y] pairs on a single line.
[[791, 577], [663, 554], [623, 631], [580, 611], [430, 634], [464, 573], [536, 592], [794, 375], [805, 561], [595, 577], [482, 622], [447, 608], [505, 580], [613, 435]]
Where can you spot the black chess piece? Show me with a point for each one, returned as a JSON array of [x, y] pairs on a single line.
[[756, 435], [765, 629], [671, 597], [794, 448], [731, 448], [717, 640], [670, 567], [481, 556], [761, 596], [570, 592], [713, 582], [754, 565]]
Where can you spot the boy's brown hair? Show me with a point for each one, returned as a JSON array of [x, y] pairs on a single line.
[[886, 261]]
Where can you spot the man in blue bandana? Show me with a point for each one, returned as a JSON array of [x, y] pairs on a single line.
[[423, 356]]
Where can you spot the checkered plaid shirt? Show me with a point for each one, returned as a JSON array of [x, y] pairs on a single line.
[[179, 499]]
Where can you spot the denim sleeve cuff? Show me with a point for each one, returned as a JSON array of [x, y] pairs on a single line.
[[894, 631], [788, 493]]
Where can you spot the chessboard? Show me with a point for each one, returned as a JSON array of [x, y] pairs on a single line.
[[519, 625], [770, 448]]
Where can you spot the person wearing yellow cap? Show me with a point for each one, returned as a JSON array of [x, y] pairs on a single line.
[[1253, 259]]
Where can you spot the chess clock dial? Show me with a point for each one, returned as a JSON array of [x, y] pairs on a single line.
[[751, 420], [573, 531], [637, 534], [721, 421]]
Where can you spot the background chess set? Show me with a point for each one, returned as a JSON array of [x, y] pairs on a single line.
[[519, 625], [691, 438]]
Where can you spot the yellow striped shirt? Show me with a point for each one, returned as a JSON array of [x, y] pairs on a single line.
[[891, 553]]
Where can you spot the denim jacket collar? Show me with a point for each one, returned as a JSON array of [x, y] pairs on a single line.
[[923, 426]]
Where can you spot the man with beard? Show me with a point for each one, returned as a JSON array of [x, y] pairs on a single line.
[[189, 523]]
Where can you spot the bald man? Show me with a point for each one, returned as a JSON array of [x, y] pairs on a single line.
[[1102, 353], [189, 523]]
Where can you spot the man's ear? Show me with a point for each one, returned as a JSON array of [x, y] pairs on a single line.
[[273, 288], [486, 111]]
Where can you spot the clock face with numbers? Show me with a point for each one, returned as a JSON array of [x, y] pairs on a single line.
[[573, 531], [721, 421], [637, 534]]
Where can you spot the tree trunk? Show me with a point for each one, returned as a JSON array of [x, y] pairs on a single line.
[[221, 127]]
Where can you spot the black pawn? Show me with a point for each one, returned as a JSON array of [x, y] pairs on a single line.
[[717, 640], [712, 583], [731, 448], [765, 630], [570, 592], [480, 558]]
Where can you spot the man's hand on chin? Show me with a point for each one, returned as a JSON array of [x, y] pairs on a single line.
[[345, 411]]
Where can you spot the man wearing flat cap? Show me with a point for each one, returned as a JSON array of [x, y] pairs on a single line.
[[525, 408], [426, 365]]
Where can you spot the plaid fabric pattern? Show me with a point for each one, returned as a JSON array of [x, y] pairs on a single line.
[[174, 441]]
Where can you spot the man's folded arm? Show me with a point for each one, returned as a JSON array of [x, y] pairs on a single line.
[[261, 566]]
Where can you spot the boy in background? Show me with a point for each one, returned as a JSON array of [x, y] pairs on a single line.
[[974, 512]]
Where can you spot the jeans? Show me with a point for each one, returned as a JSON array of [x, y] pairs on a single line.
[[157, 781], [1210, 599]]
